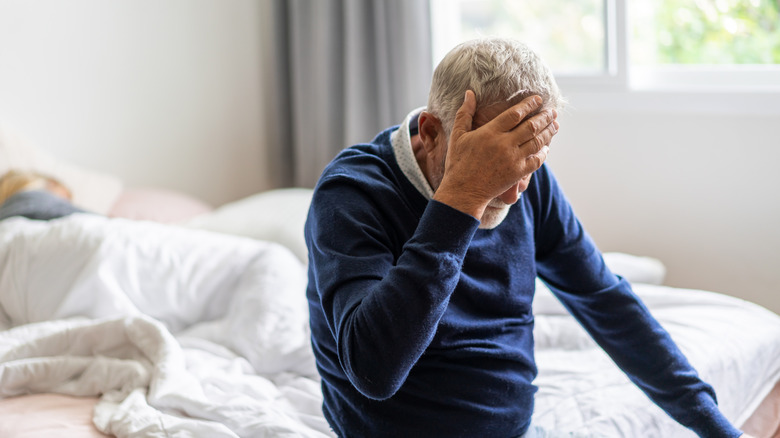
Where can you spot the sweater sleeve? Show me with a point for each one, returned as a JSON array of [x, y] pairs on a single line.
[[382, 306], [569, 262]]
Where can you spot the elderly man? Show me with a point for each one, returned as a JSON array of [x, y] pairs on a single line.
[[424, 246]]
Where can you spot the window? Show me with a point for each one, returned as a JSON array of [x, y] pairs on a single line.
[[673, 45], [705, 32], [570, 36], [705, 44]]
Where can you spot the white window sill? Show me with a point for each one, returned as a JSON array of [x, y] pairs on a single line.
[[765, 103], [735, 90]]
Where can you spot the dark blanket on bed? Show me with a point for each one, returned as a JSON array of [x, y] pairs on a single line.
[[37, 204]]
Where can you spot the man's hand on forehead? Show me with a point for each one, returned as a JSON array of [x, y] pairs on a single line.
[[528, 114], [485, 160], [498, 106]]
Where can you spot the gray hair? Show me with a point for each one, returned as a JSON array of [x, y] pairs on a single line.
[[496, 69]]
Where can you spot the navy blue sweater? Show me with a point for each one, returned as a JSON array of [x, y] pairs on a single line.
[[422, 324]]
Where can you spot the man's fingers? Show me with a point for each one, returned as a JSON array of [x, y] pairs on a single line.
[[534, 162], [465, 115], [512, 117], [536, 143], [534, 126]]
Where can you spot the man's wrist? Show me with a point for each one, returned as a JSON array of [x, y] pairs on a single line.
[[461, 201]]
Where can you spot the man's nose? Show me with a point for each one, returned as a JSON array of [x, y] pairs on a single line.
[[512, 195]]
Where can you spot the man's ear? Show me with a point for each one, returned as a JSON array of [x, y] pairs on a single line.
[[429, 128]]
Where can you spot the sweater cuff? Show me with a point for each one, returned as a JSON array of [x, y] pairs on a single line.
[[446, 229], [708, 421]]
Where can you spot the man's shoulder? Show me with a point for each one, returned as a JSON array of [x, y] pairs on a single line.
[[362, 162], [366, 179], [368, 163]]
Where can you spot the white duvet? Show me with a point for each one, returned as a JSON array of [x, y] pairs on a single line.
[[182, 332], [733, 344], [190, 333]]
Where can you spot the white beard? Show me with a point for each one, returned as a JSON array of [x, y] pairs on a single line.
[[492, 217]]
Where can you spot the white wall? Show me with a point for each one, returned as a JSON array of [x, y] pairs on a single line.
[[697, 187], [160, 93]]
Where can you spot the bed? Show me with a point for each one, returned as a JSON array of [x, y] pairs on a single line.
[[135, 323]]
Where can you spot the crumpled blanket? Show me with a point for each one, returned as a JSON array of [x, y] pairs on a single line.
[[180, 332]]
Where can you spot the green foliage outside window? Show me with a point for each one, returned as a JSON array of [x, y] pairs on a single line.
[[707, 32]]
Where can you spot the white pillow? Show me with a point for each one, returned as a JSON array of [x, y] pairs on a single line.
[[276, 215], [92, 191], [636, 269]]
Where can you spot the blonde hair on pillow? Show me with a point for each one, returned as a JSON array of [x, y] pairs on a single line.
[[15, 181]]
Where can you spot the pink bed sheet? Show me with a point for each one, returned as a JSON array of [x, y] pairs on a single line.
[[48, 415], [44, 415], [765, 421]]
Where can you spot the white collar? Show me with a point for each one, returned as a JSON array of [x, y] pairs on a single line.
[[402, 148]]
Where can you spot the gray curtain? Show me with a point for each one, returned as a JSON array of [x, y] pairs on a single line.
[[340, 72]]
